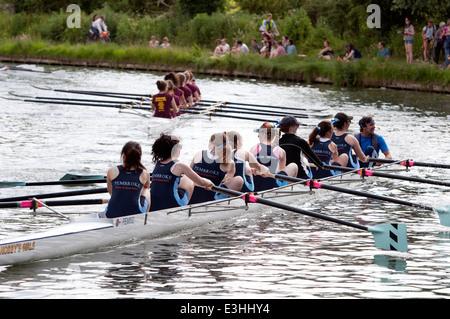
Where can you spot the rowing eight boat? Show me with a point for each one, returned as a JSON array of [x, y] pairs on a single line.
[[87, 233]]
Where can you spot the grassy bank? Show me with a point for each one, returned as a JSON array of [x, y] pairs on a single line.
[[373, 72]]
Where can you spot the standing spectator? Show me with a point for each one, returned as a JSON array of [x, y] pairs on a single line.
[[153, 43], [290, 48], [165, 44], [225, 46], [446, 37], [255, 47], [327, 52], [409, 40], [428, 34], [382, 51], [439, 43], [269, 27]]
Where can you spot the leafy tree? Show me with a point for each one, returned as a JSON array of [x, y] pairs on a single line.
[[193, 7]]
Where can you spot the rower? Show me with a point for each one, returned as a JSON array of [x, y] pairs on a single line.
[[172, 181], [170, 90], [176, 90], [345, 142], [163, 103], [241, 157], [271, 156], [187, 91], [128, 184], [217, 165], [190, 83], [297, 148], [371, 143], [321, 144]]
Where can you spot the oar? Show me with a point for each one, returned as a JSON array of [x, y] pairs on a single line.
[[98, 93], [60, 182], [409, 163], [213, 114], [35, 204], [54, 195], [386, 236], [367, 172], [258, 105]]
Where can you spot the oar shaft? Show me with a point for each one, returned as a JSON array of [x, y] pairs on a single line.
[[410, 163], [212, 114], [54, 195], [36, 204], [258, 105], [68, 182]]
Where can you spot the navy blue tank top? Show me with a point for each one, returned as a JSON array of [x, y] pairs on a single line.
[[345, 148], [323, 152], [266, 156], [239, 164], [164, 190], [210, 169], [125, 194]]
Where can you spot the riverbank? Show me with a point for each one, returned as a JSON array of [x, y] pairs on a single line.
[[372, 73]]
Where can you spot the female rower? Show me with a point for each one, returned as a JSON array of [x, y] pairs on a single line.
[[176, 90], [345, 142], [215, 164], [163, 103], [187, 91], [297, 148], [172, 181], [128, 184], [321, 144], [241, 157], [190, 83], [271, 156], [170, 90]]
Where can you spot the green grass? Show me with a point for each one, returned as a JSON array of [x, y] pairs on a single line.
[[288, 67]]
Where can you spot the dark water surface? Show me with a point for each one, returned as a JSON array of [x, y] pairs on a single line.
[[266, 254]]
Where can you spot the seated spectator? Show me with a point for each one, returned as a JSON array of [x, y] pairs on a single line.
[[382, 51], [218, 52], [327, 51], [165, 44], [153, 43], [255, 47], [351, 53], [279, 50], [242, 47], [291, 49], [284, 40], [266, 49], [225, 46]]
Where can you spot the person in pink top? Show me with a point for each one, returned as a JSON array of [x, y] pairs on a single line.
[[279, 50], [163, 103]]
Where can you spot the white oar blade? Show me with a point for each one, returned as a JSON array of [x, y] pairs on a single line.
[[444, 215], [390, 236]]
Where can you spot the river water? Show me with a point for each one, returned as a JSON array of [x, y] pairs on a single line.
[[266, 254]]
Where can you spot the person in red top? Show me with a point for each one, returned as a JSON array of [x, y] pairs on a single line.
[[163, 103], [190, 83], [176, 90], [187, 91]]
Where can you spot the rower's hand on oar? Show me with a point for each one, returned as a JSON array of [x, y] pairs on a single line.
[[208, 183]]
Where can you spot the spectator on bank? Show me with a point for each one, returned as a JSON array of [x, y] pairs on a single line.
[[327, 52], [279, 50], [408, 37], [351, 53], [99, 27], [290, 48], [438, 46], [384, 53], [165, 44], [242, 47], [446, 36], [153, 43], [255, 46], [218, 52], [284, 40], [266, 49], [428, 35], [269, 27], [225, 46]]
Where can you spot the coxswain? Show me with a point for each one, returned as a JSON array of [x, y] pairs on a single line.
[[243, 157], [371, 143], [271, 156], [321, 144], [296, 148], [346, 143], [217, 165], [163, 103], [173, 182], [128, 184]]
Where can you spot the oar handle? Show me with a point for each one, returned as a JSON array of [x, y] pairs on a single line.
[[409, 163], [53, 195]]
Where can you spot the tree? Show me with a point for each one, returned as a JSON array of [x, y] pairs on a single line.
[[193, 7]]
